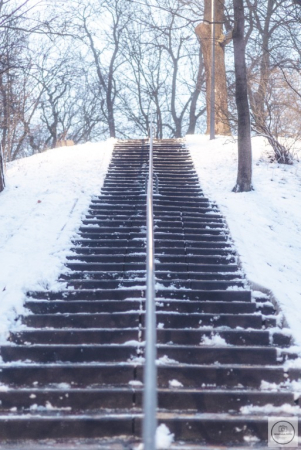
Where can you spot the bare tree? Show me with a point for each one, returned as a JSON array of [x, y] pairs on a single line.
[[166, 69], [194, 115], [244, 174], [12, 42], [105, 47]]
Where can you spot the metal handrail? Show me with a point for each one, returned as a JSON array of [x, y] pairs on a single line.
[[156, 184], [150, 370]]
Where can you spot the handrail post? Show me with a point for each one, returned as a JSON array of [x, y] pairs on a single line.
[[150, 368]]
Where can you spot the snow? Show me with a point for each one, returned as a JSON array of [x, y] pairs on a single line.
[[133, 342], [165, 360], [175, 384], [164, 438], [251, 439], [135, 383], [40, 210], [215, 340], [4, 388], [48, 407], [265, 224], [269, 409]]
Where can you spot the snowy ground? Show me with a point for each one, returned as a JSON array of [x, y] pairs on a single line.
[[40, 210], [47, 195], [265, 224]]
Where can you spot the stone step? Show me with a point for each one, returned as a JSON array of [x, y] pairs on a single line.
[[77, 375], [97, 306], [60, 427], [229, 337], [135, 283], [91, 400], [195, 200], [173, 267], [217, 401], [84, 306], [135, 319], [110, 243], [217, 430], [203, 354], [159, 244], [82, 321], [164, 215], [140, 222], [209, 236], [163, 259], [99, 399], [115, 294], [164, 336], [141, 276], [51, 353], [73, 336], [163, 251], [196, 320]]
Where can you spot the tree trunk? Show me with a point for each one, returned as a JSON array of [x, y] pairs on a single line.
[[203, 30], [258, 98], [111, 120], [244, 175], [2, 180], [193, 117]]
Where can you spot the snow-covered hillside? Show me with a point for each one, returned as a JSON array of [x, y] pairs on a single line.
[[40, 210], [47, 194], [265, 224]]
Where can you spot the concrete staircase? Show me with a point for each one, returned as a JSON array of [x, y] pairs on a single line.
[[73, 372]]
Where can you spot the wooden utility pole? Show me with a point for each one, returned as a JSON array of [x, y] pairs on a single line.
[[212, 81], [204, 32]]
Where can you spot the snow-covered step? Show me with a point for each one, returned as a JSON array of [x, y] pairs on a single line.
[[160, 275], [75, 336], [166, 304], [210, 400], [165, 336], [60, 425], [218, 429], [120, 283], [99, 399], [33, 375], [96, 320]]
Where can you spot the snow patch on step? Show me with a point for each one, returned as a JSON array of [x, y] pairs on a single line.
[[48, 407], [164, 438], [175, 384], [165, 360], [135, 383], [269, 409], [215, 340]]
